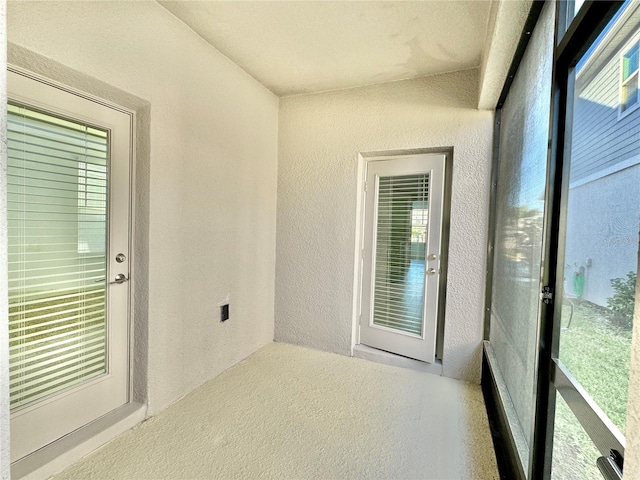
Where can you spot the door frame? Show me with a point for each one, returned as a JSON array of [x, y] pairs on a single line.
[[130, 413], [363, 159]]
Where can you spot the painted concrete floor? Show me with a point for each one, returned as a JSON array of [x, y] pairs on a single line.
[[292, 413]]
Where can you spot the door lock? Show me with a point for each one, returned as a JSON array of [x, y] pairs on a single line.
[[120, 257]]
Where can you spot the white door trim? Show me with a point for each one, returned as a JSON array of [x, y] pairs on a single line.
[[363, 158], [126, 124]]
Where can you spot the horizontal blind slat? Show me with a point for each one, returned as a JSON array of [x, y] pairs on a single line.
[[55, 323], [57, 211], [86, 273], [398, 298], [46, 356], [89, 297], [40, 375], [34, 263], [29, 297], [58, 339], [401, 320], [61, 383], [88, 349], [70, 321], [74, 283]]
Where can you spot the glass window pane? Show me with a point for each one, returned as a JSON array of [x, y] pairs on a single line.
[[568, 9], [57, 205], [522, 169], [602, 224], [630, 62], [401, 230], [574, 454], [629, 93]]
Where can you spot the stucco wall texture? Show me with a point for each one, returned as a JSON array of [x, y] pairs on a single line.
[[213, 170], [319, 141]]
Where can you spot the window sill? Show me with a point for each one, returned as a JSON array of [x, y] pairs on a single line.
[[628, 111]]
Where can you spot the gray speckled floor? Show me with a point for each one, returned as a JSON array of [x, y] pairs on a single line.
[[292, 413]]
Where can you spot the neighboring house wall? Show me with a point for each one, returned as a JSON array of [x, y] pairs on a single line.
[[605, 166], [600, 139], [320, 138], [213, 177], [609, 246]]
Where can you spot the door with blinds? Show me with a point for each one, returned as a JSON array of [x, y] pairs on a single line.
[[402, 254], [68, 189]]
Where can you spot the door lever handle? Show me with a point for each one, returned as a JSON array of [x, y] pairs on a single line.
[[120, 278]]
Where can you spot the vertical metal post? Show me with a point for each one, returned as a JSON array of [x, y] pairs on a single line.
[[491, 235]]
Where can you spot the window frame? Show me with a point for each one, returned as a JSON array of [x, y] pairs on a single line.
[[572, 45], [574, 35], [622, 82]]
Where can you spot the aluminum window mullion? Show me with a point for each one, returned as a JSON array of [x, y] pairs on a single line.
[[604, 434], [579, 36]]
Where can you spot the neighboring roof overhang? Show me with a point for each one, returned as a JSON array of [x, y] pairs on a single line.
[[611, 44]]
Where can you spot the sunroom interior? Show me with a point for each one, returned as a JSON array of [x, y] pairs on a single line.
[[252, 132]]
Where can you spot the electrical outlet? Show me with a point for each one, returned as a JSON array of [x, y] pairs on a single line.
[[224, 312]]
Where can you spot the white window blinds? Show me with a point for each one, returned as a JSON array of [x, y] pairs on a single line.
[[57, 209], [399, 280]]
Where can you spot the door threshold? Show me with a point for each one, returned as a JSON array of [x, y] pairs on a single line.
[[64, 452], [380, 356]]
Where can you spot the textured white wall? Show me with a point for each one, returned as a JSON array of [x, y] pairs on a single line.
[[320, 137], [4, 318], [213, 170], [506, 21]]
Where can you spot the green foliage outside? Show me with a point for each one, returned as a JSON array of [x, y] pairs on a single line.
[[623, 300]]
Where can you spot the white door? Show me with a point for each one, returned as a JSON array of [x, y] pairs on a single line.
[[68, 222], [402, 251]]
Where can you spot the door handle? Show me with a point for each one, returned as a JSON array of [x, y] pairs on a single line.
[[431, 271], [120, 278]]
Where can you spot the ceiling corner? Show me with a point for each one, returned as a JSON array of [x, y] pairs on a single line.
[[505, 24]]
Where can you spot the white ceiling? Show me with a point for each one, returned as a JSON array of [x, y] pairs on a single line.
[[309, 46]]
